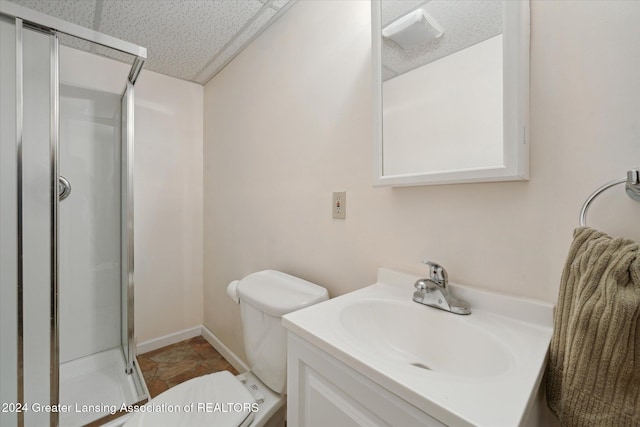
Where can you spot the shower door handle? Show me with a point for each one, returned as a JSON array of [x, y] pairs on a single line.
[[64, 188]]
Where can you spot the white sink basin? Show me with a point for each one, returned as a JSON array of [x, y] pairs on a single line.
[[426, 339], [481, 369]]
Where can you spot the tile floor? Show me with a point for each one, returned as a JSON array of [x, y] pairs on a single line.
[[169, 366]]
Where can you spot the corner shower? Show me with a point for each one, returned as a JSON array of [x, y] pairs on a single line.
[[66, 225]]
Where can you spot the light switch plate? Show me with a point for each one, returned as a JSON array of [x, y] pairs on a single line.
[[340, 205]]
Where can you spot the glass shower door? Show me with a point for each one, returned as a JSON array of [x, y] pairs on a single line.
[[97, 354], [66, 257], [8, 223]]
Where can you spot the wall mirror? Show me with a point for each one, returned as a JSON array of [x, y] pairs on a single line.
[[451, 91]]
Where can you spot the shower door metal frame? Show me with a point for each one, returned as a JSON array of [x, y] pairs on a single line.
[[54, 24], [54, 139], [19, 240], [27, 18], [127, 227], [126, 240]]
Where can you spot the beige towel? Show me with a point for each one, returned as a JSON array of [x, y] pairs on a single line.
[[593, 374]]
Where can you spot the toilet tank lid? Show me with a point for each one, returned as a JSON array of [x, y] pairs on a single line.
[[277, 293]]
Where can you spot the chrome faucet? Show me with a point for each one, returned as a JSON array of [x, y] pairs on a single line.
[[435, 293]]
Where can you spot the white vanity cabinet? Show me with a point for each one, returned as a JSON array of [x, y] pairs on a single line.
[[323, 392], [373, 357]]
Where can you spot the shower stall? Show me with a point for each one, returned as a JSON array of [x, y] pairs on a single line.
[[66, 225]]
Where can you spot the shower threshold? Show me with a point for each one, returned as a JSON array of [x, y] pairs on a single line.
[[96, 386]]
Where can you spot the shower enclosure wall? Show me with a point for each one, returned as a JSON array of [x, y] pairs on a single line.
[[66, 226]]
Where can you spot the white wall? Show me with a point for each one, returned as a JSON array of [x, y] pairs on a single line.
[[447, 114], [289, 121], [168, 191], [168, 205]]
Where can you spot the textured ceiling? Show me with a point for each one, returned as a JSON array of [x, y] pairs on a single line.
[[464, 24], [189, 39]]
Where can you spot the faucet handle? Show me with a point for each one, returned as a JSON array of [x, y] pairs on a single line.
[[437, 273]]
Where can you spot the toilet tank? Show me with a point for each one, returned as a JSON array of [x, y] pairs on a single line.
[[265, 297]]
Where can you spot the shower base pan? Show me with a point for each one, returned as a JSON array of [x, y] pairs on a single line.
[[96, 386]]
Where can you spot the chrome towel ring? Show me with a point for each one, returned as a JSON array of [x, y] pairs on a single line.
[[633, 190]]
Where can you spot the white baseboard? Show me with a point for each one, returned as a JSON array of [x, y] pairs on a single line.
[[229, 355], [163, 341]]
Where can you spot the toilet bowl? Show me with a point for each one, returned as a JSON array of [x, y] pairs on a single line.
[[256, 398], [218, 399]]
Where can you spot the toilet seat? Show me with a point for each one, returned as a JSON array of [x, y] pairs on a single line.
[[218, 399]]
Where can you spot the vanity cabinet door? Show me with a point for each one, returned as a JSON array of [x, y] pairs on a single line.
[[323, 391]]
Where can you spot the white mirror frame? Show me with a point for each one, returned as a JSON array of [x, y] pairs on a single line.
[[516, 29]]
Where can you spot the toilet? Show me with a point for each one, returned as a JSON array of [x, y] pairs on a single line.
[[255, 398]]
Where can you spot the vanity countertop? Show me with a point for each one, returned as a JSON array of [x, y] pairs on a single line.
[[482, 369]]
